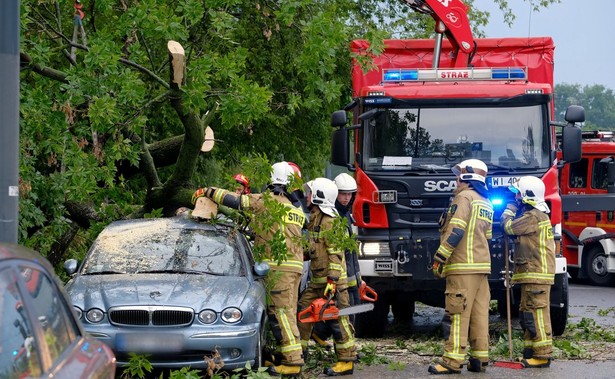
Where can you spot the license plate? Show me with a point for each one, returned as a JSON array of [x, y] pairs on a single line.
[[149, 343], [383, 265], [503, 181]]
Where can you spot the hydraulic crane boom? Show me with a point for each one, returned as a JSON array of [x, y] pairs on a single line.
[[451, 18]]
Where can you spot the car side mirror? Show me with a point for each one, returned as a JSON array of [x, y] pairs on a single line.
[[261, 268], [70, 266]]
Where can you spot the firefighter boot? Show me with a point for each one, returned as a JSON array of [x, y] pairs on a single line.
[[340, 368], [286, 370], [475, 365], [536, 362], [442, 369]]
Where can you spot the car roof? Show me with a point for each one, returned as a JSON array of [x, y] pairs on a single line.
[[177, 222]]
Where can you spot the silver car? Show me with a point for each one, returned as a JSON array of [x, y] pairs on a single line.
[[176, 289]]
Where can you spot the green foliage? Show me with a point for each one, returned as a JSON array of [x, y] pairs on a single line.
[[370, 356], [396, 366], [605, 312], [155, 213], [139, 366], [184, 373]]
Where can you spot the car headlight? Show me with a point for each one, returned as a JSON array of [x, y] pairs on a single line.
[[78, 312], [94, 315], [231, 315], [207, 316]]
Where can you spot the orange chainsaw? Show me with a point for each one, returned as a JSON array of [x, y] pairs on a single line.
[[325, 309], [367, 293]]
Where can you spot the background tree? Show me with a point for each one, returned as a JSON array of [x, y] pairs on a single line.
[[104, 135], [598, 101]]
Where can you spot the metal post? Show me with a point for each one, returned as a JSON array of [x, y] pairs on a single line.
[[9, 119]]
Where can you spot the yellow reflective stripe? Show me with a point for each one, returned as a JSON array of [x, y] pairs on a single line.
[[289, 348], [480, 353], [508, 212], [219, 195], [544, 340], [289, 263], [245, 201], [304, 344], [352, 283], [346, 345], [486, 266], [508, 226], [345, 321], [534, 275], [545, 228], [470, 233], [456, 330], [286, 329], [335, 266], [442, 250], [458, 222]]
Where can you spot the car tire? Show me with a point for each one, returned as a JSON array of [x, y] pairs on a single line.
[[559, 315], [596, 267], [260, 345], [372, 324]]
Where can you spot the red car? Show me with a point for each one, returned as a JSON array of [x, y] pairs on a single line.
[[41, 338]]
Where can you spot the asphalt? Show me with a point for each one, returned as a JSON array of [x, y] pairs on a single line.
[[577, 369]]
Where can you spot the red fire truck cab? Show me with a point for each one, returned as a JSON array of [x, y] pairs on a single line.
[[588, 204]]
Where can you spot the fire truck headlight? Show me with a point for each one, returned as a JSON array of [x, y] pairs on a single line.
[[374, 248]]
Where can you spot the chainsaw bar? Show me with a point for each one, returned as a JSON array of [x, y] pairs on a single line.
[[356, 309]]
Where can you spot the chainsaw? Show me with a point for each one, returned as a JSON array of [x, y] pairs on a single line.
[[325, 309]]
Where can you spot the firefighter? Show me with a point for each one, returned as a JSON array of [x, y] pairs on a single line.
[[283, 278], [328, 276], [463, 259], [347, 187], [534, 266], [243, 184]]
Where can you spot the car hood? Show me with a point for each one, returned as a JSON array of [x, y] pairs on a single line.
[[187, 290]]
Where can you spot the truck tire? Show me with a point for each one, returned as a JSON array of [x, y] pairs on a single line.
[[559, 295], [596, 267], [372, 324], [403, 309]]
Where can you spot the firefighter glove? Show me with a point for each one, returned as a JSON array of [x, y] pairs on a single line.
[[205, 191], [331, 286], [437, 268]]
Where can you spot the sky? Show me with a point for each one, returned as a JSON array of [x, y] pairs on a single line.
[[582, 31]]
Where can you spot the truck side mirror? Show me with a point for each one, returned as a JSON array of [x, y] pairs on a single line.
[[339, 147], [574, 113], [610, 173], [338, 118], [571, 134]]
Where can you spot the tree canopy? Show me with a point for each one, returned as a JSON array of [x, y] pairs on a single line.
[[106, 135]]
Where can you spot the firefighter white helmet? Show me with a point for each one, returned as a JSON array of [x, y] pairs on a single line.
[[324, 194], [532, 191], [281, 173], [471, 169], [307, 187], [345, 183]]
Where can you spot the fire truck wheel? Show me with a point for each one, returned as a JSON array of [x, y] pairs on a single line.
[[372, 324], [559, 295], [596, 267]]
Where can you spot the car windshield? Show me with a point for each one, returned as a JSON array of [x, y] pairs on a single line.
[[147, 249], [437, 138]]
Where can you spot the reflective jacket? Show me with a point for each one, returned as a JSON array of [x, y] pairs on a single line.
[[293, 222], [325, 260], [534, 253], [465, 234]]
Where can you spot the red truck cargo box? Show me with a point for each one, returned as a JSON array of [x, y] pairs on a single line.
[[535, 53]]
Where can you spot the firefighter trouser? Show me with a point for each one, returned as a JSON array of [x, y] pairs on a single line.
[[282, 312], [342, 330], [467, 306], [535, 319]]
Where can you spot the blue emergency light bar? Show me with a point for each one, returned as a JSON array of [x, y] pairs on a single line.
[[415, 74]]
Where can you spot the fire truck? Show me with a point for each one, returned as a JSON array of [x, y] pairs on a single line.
[[588, 203], [424, 106]]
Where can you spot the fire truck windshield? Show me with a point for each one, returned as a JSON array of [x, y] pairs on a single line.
[[437, 138]]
